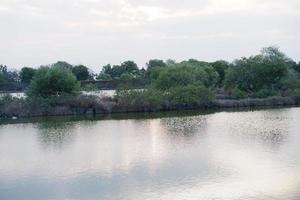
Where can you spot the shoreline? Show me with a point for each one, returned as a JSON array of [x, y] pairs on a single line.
[[109, 106]]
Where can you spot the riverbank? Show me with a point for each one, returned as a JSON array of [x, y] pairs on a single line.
[[89, 104]]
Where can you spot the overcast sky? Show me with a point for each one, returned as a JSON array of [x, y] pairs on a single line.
[[97, 32]]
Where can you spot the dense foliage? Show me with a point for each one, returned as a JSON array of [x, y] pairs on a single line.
[[126, 71], [52, 82], [8, 76], [26, 74], [270, 73], [81, 72], [172, 85]]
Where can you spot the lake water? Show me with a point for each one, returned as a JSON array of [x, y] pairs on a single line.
[[223, 155], [100, 93]]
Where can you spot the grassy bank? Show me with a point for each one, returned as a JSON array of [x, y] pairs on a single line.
[[124, 103]]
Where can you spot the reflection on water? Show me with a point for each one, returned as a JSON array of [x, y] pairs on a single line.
[[185, 126], [54, 134], [225, 155]]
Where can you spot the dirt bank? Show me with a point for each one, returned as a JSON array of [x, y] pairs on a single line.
[[82, 105]]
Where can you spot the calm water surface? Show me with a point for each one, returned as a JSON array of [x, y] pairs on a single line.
[[224, 155]]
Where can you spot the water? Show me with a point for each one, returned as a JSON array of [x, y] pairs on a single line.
[[224, 155], [100, 93], [14, 94]]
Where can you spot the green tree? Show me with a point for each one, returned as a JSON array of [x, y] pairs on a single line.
[[129, 67], [126, 77], [153, 67], [26, 74], [52, 82], [256, 72], [173, 77], [104, 77], [3, 70], [63, 64], [8, 76], [185, 73], [190, 94], [170, 62], [106, 69], [81, 72], [220, 67], [297, 67], [155, 63], [2, 80], [116, 71]]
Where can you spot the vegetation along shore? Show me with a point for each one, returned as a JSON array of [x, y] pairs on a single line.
[[267, 79]]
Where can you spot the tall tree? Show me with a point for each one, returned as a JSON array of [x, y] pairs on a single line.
[[256, 72], [63, 64], [220, 67], [8, 76], [81, 72], [155, 63], [26, 74]]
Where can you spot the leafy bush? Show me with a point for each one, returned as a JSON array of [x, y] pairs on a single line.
[[190, 94], [291, 81], [237, 93], [104, 77], [5, 99], [126, 76], [10, 105], [220, 67], [293, 92], [88, 87], [263, 93], [184, 74], [148, 98], [153, 99], [52, 82], [128, 70]]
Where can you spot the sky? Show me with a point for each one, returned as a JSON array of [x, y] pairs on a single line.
[[98, 32]]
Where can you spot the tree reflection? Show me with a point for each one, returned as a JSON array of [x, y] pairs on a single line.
[[55, 134], [185, 126], [267, 127]]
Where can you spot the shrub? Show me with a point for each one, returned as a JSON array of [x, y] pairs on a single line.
[[185, 74], [292, 92], [126, 76], [153, 99], [104, 77], [237, 93], [10, 105], [52, 82], [190, 94], [148, 98], [263, 93], [88, 87]]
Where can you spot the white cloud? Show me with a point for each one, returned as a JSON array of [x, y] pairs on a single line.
[[95, 32]]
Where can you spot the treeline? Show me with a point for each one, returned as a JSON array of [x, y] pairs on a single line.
[[192, 82], [26, 74], [267, 74], [55, 89]]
